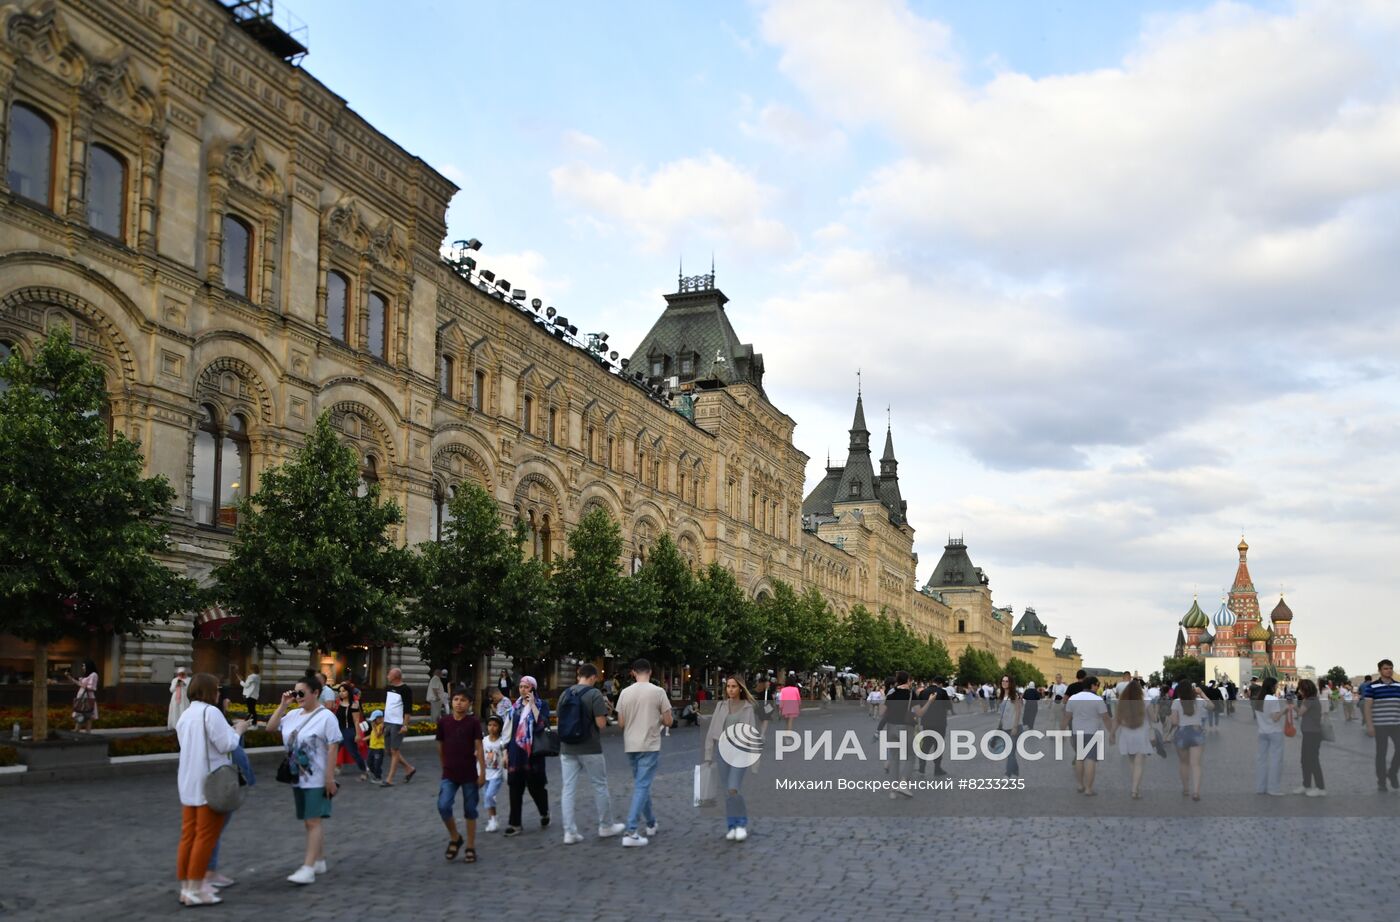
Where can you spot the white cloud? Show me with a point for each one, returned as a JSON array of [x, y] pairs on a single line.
[[707, 197], [793, 131], [581, 144]]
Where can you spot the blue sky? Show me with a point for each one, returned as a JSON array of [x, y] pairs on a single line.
[[1123, 272]]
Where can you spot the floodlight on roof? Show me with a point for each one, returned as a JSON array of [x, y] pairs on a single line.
[[503, 285], [573, 330], [473, 244], [624, 363], [613, 355], [561, 321], [518, 294], [602, 337], [549, 312], [469, 263], [536, 303], [488, 275]]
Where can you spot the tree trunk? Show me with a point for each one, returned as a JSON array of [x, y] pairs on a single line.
[[41, 692]]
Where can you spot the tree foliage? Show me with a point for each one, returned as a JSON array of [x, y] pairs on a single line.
[[978, 666], [594, 604], [743, 625], [802, 628], [1191, 668], [1337, 675], [312, 560], [80, 526], [1023, 672], [476, 590]]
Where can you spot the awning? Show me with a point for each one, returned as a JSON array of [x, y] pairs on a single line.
[[211, 623]]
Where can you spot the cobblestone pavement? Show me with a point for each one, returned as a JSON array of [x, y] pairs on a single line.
[[93, 849]]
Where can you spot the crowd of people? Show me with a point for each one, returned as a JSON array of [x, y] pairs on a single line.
[[318, 722]]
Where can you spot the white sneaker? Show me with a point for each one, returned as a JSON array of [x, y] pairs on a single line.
[[729, 836], [491, 825], [1301, 790], [1317, 792], [216, 879], [633, 841], [303, 875], [741, 833], [319, 867], [651, 830], [607, 832], [572, 838]]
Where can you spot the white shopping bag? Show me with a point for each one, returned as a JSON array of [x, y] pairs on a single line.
[[704, 788]]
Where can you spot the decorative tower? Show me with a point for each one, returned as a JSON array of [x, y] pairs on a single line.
[[1258, 638], [1195, 622], [1285, 645], [887, 484], [1244, 601], [1227, 643]]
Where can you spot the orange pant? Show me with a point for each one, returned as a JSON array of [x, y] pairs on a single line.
[[199, 833]]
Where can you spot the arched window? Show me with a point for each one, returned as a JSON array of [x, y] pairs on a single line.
[[553, 426], [106, 192], [479, 391], [237, 254], [369, 474], [590, 443], [337, 305], [29, 168], [546, 552], [609, 460], [378, 324], [681, 479], [446, 370], [442, 503], [221, 466], [527, 420]]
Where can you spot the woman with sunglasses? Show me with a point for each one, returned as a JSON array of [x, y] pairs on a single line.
[[347, 715], [311, 737]]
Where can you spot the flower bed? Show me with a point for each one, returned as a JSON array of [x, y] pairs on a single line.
[[8, 756], [109, 717]]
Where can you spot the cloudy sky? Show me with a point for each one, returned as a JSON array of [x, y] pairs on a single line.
[[1124, 273]]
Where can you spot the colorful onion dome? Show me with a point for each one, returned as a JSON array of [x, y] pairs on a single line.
[[1195, 618], [1224, 617], [1258, 632], [1281, 611]]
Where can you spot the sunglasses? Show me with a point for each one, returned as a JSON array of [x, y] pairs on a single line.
[[298, 694]]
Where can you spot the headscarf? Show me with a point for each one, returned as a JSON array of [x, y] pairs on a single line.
[[524, 723]]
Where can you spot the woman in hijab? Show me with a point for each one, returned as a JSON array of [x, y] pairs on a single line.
[[525, 769]]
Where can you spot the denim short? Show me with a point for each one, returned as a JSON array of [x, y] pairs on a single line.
[[1186, 737]]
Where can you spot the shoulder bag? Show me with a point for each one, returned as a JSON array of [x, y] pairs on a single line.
[[84, 703], [546, 742], [224, 786]]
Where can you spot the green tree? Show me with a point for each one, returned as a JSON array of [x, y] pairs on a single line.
[[1154, 679], [934, 658], [1192, 668], [312, 560], [801, 628], [743, 628], [1337, 675], [1022, 672], [685, 631], [977, 666], [476, 590], [857, 642], [595, 606], [80, 527]]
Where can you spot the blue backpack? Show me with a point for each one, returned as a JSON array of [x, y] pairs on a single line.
[[574, 724]]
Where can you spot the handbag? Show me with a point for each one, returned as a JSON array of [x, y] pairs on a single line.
[[1288, 728], [1158, 743], [84, 703], [1329, 732], [703, 793], [224, 786], [546, 743]]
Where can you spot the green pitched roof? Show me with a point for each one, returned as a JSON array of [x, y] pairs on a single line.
[[694, 325], [1030, 625], [955, 568]]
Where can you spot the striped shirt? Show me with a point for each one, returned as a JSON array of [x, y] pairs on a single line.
[[1385, 702]]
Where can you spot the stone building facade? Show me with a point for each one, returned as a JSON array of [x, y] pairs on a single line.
[[242, 252]]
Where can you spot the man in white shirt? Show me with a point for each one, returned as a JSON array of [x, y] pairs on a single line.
[[642, 710], [437, 694], [1086, 714]]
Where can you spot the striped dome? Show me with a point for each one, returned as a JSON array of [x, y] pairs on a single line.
[[1224, 617], [1195, 618]]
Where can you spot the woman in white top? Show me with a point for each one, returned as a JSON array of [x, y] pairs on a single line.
[[252, 687], [179, 697], [1188, 716], [1269, 712], [311, 736], [1133, 726], [205, 740], [874, 699]]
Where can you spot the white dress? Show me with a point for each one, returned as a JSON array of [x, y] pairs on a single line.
[[1135, 741], [179, 701]]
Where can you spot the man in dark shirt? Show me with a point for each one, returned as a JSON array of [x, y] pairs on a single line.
[[1232, 691], [1076, 686], [463, 769], [933, 714], [586, 756], [899, 716], [1031, 697]]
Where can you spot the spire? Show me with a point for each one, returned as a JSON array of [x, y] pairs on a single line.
[[858, 476], [888, 456], [858, 425]]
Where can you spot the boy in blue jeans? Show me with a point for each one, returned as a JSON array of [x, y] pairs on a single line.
[[463, 769]]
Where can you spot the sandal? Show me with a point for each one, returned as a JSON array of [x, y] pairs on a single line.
[[454, 847], [470, 856]]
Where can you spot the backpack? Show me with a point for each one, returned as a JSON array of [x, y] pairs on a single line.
[[573, 722]]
